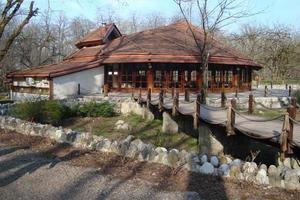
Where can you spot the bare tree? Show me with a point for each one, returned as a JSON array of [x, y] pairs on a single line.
[[211, 19], [9, 11]]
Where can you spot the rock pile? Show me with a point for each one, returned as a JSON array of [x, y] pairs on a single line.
[[134, 148]]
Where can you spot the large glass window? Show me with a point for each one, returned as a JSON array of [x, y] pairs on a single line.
[[228, 79], [218, 79], [141, 79]]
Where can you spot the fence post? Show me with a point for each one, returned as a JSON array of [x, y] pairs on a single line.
[[148, 98], [231, 118], [236, 92], [266, 91], [286, 86], [271, 84], [161, 100], [203, 96], [292, 109], [78, 89], [250, 104], [197, 112], [175, 104], [223, 99], [186, 95], [290, 91], [105, 88]]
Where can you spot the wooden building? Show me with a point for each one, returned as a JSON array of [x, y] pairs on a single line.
[[155, 59]]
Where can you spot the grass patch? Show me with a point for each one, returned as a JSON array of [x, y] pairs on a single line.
[[148, 132], [269, 113]]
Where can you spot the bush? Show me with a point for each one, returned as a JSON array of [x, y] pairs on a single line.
[[93, 109], [297, 95], [45, 111]]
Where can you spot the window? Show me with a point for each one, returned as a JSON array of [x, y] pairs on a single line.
[[127, 78], [159, 79], [228, 78], [194, 75], [218, 78], [141, 79], [209, 75]]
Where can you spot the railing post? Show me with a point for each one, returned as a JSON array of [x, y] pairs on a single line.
[[250, 104], [266, 91], [105, 88], [286, 86], [78, 89], [203, 96], [173, 92], [231, 118], [236, 92], [161, 100], [292, 109], [148, 98], [175, 104], [271, 84], [290, 91], [186, 95], [223, 99], [140, 96], [197, 112]]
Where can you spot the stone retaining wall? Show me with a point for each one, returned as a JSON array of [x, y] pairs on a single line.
[[136, 149]]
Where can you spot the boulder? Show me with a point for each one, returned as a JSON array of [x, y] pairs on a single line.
[[132, 151], [261, 177], [183, 157], [274, 177], [236, 162], [59, 136], [206, 168], [161, 156], [122, 125], [214, 160], [223, 170], [169, 125], [104, 145], [208, 144], [133, 107], [173, 157], [291, 180]]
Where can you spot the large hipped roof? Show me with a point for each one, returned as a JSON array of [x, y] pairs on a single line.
[[168, 44]]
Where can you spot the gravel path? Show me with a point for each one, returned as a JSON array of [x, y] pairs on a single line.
[[26, 175]]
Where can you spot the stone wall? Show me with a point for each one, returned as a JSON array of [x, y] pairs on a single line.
[[136, 149]]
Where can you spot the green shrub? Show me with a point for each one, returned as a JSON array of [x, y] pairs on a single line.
[[45, 111], [93, 109], [297, 95]]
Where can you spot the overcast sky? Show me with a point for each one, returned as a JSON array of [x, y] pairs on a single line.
[[275, 11]]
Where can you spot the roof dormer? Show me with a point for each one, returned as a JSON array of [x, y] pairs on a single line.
[[103, 34]]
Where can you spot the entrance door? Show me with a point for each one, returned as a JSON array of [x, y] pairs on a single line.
[[113, 76]]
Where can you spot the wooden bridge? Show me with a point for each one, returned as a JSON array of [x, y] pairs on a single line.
[[282, 129]]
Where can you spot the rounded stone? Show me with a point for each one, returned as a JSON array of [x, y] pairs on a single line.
[[204, 159], [214, 161], [261, 177], [206, 168]]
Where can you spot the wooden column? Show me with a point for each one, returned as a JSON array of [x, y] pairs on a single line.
[[250, 104], [186, 95], [161, 100], [182, 80], [222, 80], [148, 98], [78, 89], [175, 104], [231, 118], [223, 99], [150, 76], [234, 78], [51, 96], [120, 71], [105, 89]]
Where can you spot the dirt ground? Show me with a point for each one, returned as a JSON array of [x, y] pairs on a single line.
[[164, 178]]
